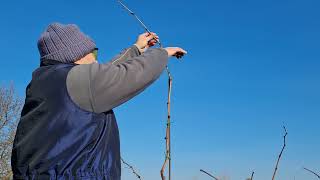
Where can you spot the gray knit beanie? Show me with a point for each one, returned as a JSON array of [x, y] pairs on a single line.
[[64, 43]]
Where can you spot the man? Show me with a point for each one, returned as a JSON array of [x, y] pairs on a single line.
[[67, 128]]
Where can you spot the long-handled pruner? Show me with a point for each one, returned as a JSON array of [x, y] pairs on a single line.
[[178, 54]]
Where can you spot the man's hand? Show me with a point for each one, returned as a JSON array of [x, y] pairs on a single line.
[[175, 51], [146, 40]]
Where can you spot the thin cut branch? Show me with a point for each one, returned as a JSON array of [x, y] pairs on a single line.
[[279, 157], [209, 174], [312, 172], [130, 167]]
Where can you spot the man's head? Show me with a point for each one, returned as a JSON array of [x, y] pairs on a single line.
[[66, 44]]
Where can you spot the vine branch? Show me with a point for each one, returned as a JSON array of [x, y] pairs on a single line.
[[251, 178], [167, 138], [131, 167], [279, 157], [209, 174], [312, 172]]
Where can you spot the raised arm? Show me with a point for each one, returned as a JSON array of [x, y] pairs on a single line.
[[101, 87]]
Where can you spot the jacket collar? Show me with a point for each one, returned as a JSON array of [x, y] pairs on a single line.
[[49, 62]]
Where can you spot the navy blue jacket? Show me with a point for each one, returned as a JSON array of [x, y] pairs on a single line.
[[58, 140]]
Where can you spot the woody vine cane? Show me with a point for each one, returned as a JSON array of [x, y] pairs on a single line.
[[168, 135]]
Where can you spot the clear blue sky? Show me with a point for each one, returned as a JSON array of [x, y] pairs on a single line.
[[252, 67]]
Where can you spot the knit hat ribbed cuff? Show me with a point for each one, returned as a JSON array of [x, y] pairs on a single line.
[[73, 53]]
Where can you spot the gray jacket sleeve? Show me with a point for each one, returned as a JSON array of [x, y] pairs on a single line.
[[127, 53], [101, 87]]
